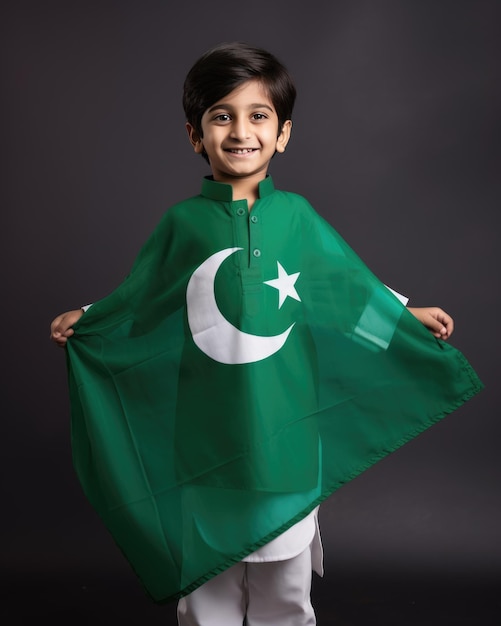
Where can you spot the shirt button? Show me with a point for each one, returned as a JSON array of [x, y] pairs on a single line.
[[240, 211], [254, 219], [256, 252]]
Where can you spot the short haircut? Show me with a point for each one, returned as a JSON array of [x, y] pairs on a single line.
[[227, 66]]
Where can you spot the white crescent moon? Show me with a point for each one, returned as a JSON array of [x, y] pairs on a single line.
[[211, 331]]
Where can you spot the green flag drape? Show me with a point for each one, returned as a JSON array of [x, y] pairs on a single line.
[[248, 366]]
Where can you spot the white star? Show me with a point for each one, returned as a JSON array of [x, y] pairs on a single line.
[[285, 285]]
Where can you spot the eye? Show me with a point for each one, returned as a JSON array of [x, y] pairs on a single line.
[[259, 116], [222, 117]]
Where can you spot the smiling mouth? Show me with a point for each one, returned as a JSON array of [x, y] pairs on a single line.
[[241, 150]]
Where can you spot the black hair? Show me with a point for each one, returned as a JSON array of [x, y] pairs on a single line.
[[227, 66]]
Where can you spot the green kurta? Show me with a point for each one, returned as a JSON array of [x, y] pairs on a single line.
[[248, 366]]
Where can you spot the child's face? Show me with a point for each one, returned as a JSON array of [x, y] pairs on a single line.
[[240, 134]]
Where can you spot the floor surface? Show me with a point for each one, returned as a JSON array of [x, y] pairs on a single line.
[[76, 600]]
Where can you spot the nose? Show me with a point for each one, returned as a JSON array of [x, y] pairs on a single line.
[[240, 129]]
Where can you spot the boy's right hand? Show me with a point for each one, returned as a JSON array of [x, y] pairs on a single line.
[[61, 327]]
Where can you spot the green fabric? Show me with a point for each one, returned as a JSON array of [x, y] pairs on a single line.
[[193, 463]]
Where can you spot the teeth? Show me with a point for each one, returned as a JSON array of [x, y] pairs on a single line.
[[242, 151]]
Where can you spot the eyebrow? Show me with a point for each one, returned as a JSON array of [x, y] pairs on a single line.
[[228, 107]]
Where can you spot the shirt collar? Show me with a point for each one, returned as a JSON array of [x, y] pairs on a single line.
[[224, 192]]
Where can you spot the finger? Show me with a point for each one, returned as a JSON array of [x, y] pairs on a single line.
[[448, 327], [435, 325], [59, 341]]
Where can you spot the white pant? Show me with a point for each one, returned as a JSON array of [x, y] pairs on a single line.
[[262, 594]]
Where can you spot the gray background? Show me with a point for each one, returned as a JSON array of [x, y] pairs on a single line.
[[395, 142]]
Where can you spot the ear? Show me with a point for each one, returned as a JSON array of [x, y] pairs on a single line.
[[195, 140], [283, 138]]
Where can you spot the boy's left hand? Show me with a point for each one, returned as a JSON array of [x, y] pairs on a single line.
[[435, 319]]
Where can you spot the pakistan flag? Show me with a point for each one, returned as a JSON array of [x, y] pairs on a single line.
[[248, 366]]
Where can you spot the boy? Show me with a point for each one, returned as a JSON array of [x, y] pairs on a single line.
[[286, 355]]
